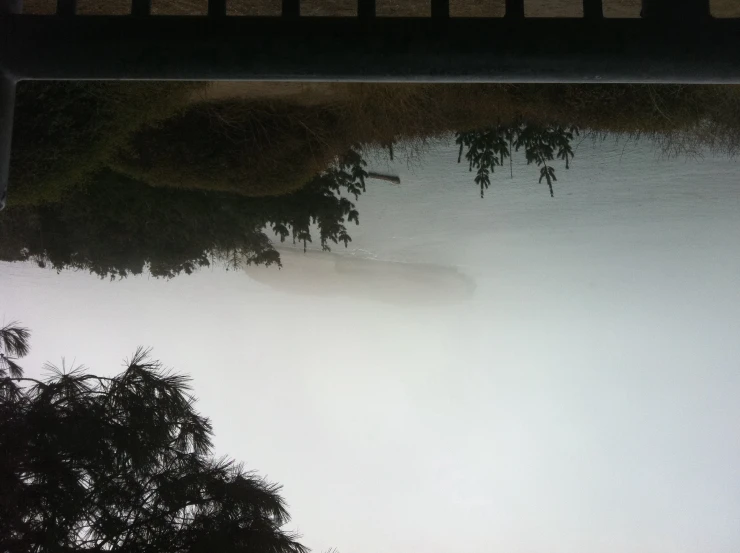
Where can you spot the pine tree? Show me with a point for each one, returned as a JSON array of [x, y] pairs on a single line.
[[123, 464], [14, 344]]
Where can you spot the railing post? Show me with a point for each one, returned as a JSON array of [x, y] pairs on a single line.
[[7, 109], [141, 7], [440, 9], [216, 8], [291, 8], [515, 9], [366, 9], [66, 7], [593, 9], [676, 10]]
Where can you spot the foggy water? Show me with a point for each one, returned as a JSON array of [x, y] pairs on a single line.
[[532, 373]]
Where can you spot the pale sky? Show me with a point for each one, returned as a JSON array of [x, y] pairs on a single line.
[[518, 373]]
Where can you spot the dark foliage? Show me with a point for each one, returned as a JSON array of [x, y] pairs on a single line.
[[491, 147], [118, 227], [124, 464], [13, 345], [234, 146], [321, 203], [66, 131]]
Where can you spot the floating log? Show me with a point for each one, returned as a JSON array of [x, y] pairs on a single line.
[[390, 178]]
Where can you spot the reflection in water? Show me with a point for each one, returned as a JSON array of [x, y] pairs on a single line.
[[105, 181], [116, 226], [325, 274], [489, 148]]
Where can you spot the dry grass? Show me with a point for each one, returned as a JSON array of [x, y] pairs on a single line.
[[270, 138], [377, 112], [386, 8], [262, 143]]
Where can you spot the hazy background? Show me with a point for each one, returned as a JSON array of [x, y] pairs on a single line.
[[517, 373]]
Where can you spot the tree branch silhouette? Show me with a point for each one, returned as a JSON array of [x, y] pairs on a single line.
[[124, 463]]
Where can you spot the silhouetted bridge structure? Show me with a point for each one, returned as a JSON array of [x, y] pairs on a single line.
[[674, 41]]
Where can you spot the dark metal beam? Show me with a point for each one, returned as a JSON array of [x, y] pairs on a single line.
[[382, 49], [7, 107]]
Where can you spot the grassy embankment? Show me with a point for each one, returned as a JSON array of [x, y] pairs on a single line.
[[66, 132], [271, 143]]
